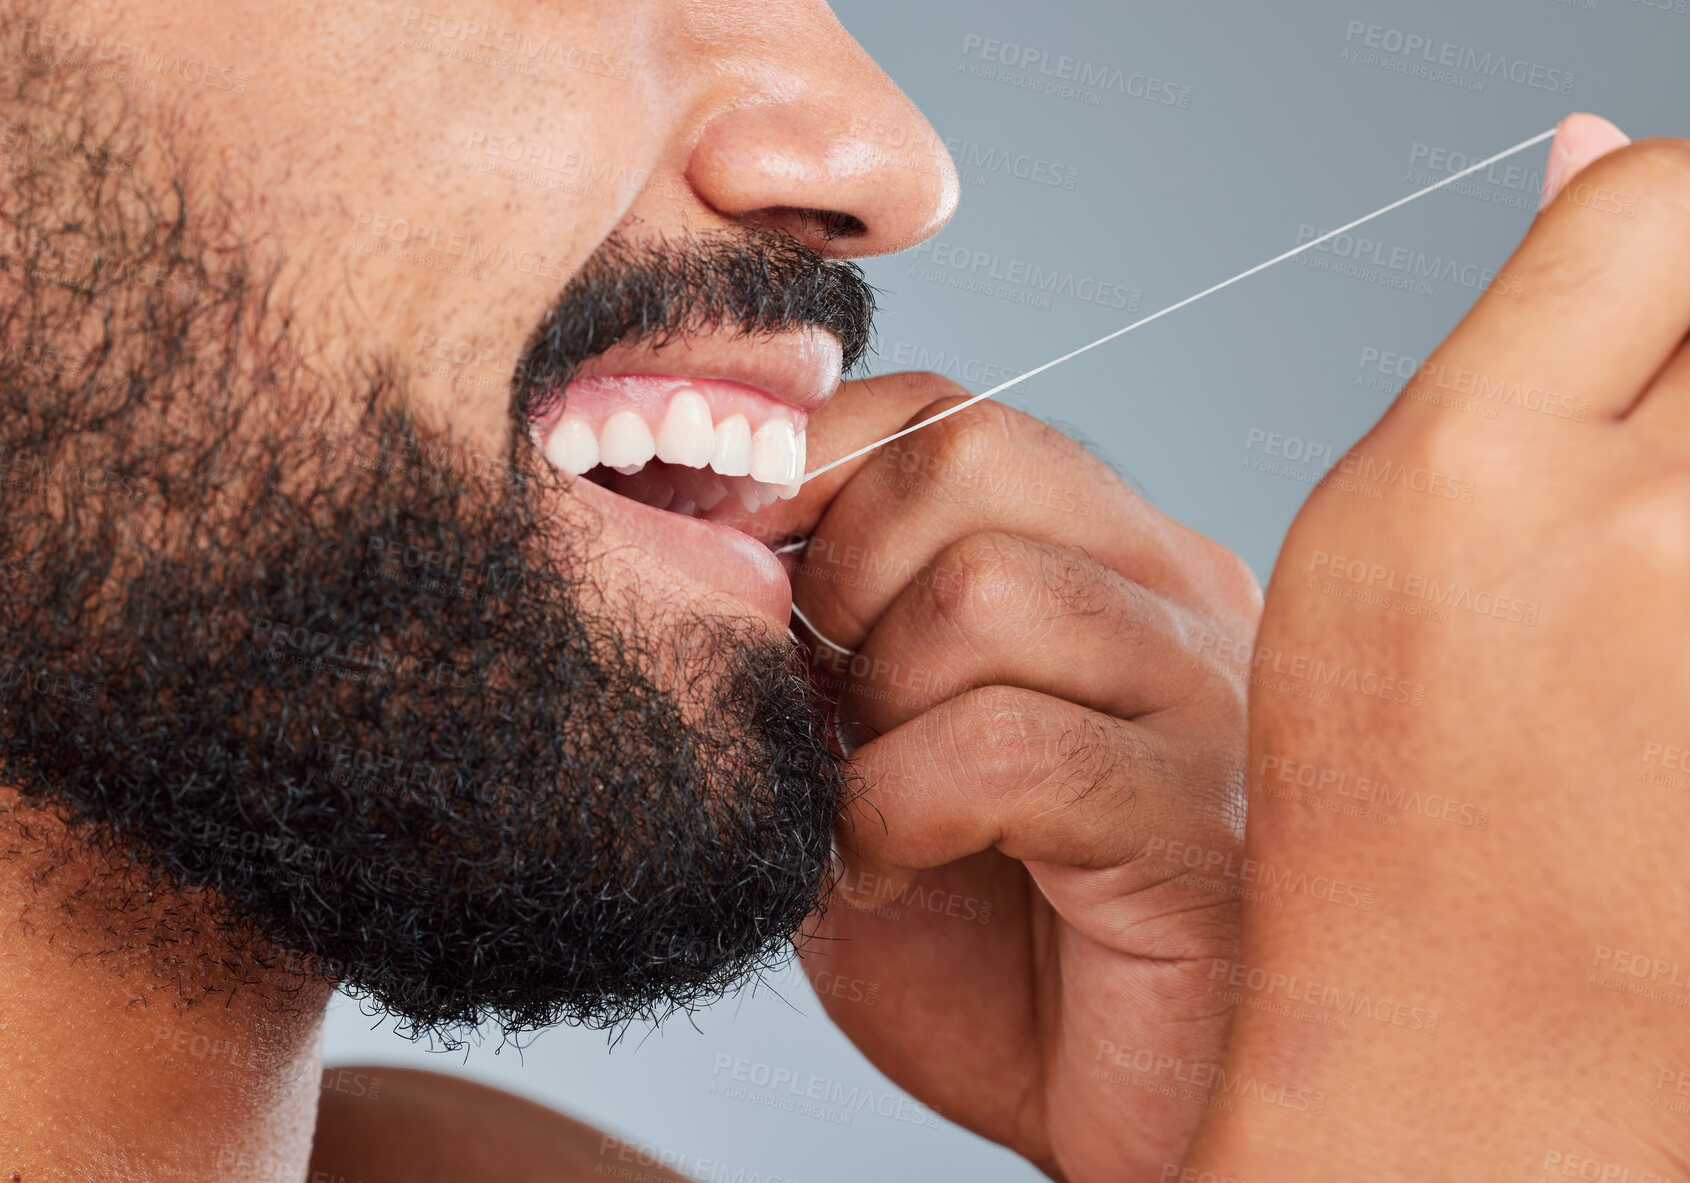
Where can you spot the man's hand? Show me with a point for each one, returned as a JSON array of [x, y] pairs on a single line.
[[1516, 809], [1032, 683]]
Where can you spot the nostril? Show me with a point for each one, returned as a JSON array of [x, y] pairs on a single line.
[[815, 228], [831, 224]]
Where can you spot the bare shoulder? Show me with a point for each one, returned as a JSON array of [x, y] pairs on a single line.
[[397, 1125]]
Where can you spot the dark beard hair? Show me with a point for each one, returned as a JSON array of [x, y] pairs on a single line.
[[760, 282], [341, 690]]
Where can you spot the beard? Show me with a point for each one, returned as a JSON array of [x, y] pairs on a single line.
[[341, 690]]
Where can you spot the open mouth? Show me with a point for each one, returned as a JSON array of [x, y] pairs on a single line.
[[713, 419], [681, 444]]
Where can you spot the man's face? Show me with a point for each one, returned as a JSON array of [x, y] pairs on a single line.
[[305, 615]]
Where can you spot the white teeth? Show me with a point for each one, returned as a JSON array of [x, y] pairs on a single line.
[[774, 453], [790, 490], [709, 461], [730, 454], [753, 494], [625, 443], [572, 446], [686, 436]]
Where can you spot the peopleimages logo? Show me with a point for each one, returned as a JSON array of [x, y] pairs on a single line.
[[990, 273], [1385, 1009], [1411, 263], [1213, 1079], [1422, 56], [976, 162], [1065, 76]]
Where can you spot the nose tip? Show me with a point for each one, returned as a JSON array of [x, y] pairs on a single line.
[[852, 167]]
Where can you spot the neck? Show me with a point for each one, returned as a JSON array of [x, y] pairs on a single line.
[[128, 1052]]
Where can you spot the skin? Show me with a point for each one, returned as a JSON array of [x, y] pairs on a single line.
[[1033, 714], [744, 115], [425, 1127], [1499, 922], [1551, 942], [693, 116], [1057, 920], [1040, 766], [718, 103]]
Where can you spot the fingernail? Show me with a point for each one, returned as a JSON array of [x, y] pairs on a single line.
[[1580, 141], [1555, 172]]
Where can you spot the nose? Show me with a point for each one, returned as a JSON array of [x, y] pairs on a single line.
[[810, 136]]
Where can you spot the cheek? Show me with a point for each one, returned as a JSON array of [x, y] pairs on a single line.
[[440, 181]]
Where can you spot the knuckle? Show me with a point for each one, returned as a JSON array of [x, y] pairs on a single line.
[[1235, 582], [996, 732], [1437, 443], [979, 580], [986, 433], [1099, 755], [970, 439], [898, 395], [992, 581], [1112, 608], [1651, 524], [925, 383]]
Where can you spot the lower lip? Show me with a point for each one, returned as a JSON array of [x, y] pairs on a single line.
[[716, 556]]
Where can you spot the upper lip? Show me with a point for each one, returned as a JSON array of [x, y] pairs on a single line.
[[800, 367]]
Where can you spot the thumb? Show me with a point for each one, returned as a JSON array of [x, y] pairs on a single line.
[[1579, 142]]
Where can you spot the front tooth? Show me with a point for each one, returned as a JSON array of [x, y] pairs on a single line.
[[730, 454], [774, 453], [572, 447], [686, 436], [803, 455], [625, 442]]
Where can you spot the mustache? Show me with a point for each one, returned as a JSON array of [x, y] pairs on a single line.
[[758, 281]]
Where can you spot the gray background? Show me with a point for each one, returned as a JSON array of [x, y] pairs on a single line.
[[1280, 131]]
